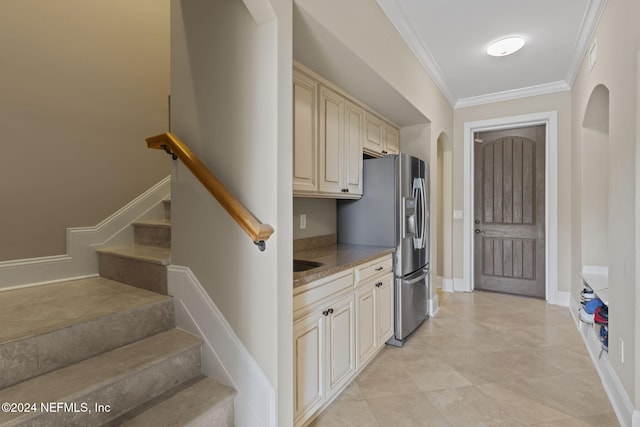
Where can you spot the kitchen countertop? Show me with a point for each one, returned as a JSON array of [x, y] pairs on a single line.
[[336, 258]]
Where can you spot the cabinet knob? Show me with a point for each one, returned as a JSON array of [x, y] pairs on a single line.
[[345, 190], [325, 313], [379, 268], [378, 284], [330, 310], [384, 151]]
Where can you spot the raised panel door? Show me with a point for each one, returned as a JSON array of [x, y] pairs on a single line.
[[385, 309], [353, 142], [331, 140], [309, 358], [391, 140], [305, 161], [341, 343], [374, 134], [366, 314]]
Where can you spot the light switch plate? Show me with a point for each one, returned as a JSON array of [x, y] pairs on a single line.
[[303, 221]]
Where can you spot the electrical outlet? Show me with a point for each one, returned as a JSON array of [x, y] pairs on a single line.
[[303, 221], [621, 349]]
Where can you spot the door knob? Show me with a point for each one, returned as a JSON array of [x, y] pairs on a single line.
[[477, 231], [477, 221]]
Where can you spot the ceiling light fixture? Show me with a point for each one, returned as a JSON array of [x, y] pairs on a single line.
[[506, 46]]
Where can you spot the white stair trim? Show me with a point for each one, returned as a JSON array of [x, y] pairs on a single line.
[[81, 260], [620, 401], [227, 362]]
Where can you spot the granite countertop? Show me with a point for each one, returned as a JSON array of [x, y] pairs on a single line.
[[335, 257]]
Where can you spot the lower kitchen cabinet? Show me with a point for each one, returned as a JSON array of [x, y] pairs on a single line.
[[339, 325]]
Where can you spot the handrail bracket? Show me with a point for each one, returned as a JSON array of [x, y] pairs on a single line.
[[261, 244]]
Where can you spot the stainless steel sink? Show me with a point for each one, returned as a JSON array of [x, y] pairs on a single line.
[[302, 265]]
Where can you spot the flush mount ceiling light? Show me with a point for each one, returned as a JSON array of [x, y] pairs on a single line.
[[506, 46]]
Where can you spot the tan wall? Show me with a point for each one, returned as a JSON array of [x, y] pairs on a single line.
[[321, 217], [560, 102], [83, 83], [618, 39]]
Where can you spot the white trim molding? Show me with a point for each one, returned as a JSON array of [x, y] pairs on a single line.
[[81, 259], [507, 95], [434, 305], [550, 120], [224, 357], [447, 285], [620, 401]]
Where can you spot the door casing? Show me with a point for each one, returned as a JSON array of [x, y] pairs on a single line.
[[550, 120]]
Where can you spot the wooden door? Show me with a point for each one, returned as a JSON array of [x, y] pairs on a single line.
[[509, 211]]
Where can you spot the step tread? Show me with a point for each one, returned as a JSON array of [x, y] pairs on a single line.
[[82, 378], [158, 223], [41, 309], [150, 254], [202, 399]]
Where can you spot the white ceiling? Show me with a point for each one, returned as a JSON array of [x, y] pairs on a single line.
[[450, 38]]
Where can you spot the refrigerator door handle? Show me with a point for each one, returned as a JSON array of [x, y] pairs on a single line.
[[417, 276], [419, 241]]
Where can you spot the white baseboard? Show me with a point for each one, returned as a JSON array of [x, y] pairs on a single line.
[[459, 285], [447, 285], [439, 280], [620, 401], [81, 259], [434, 304], [560, 298], [228, 361]]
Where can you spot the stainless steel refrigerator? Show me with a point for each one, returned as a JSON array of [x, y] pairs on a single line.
[[394, 212]]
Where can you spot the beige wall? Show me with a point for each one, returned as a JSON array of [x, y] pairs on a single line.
[[617, 38], [231, 103], [321, 217], [560, 102], [83, 83]]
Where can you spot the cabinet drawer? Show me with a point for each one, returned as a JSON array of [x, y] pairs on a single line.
[[307, 297], [383, 265]]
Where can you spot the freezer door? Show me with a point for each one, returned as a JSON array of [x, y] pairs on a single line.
[[410, 302], [412, 249]]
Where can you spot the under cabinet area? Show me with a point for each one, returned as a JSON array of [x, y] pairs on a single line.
[[340, 323], [331, 131]]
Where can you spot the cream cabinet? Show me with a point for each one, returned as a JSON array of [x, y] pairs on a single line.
[[305, 147], [380, 137], [340, 323], [323, 341], [331, 131], [340, 139], [374, 307]]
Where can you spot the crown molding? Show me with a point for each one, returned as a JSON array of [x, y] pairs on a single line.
[[590, 21], [399, 21], [508, 95]]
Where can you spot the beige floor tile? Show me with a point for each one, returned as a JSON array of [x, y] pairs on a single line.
[[413, 410], [473, 365], [346, 414]]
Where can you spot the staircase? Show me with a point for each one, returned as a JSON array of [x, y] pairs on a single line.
[[104, 351]]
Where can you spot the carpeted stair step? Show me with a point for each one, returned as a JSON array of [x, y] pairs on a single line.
[[153, 233], [48, 327], [205, 402], [104, 387], [136, 265]]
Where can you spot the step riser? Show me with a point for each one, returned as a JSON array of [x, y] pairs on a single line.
[[152, 277], [167, 209], [39, 354], [122, 394], [149, 235]]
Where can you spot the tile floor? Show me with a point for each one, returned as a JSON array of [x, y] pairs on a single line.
[[486, 359]]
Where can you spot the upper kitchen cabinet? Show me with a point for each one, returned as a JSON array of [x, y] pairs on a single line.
[[331, 130], [340, 139], [381, 137], [305, 147]]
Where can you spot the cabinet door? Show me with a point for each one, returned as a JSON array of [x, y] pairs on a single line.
[[341, 343], [331, 139], [309, 360], [366, 332], [374, 134], [391, 140], [353, 141], [385, 309], [305, 172]]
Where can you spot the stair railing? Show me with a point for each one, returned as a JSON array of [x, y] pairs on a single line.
[[256, 230]]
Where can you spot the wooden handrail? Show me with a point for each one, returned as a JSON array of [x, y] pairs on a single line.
[[170, 143]]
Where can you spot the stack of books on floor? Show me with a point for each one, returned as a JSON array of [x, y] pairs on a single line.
[[594, 311]]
